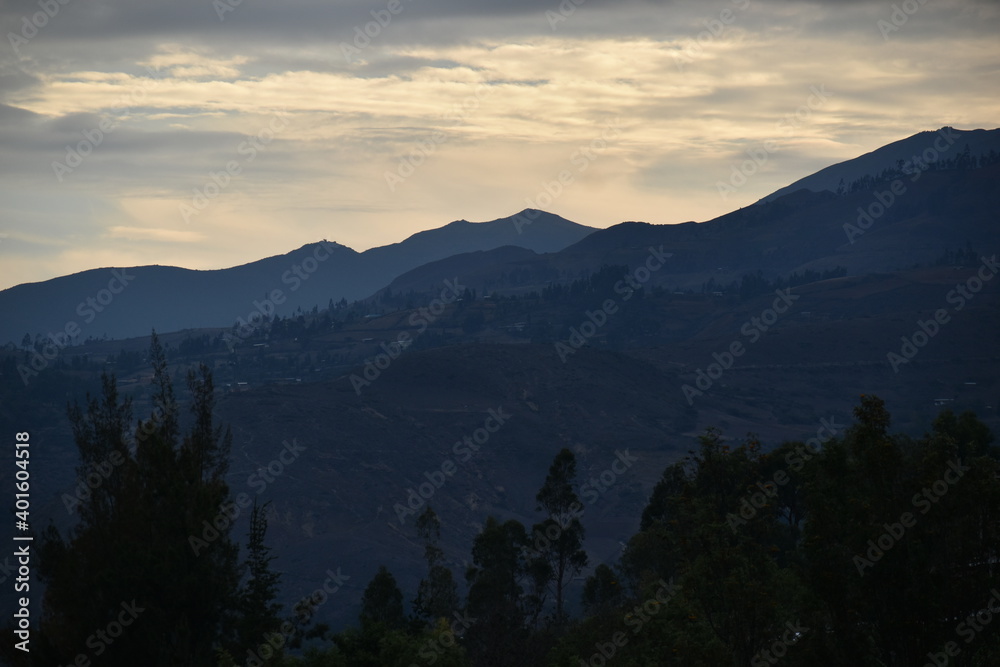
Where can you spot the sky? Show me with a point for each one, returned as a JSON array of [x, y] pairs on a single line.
[[211, 133]]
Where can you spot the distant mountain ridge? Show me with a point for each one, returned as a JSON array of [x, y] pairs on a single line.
[[799, 227], [171, 298], [930, 146], [798, 232]]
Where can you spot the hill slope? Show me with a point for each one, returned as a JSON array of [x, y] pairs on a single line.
[[335, 505], [945, 143]]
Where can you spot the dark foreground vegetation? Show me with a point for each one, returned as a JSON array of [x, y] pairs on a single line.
[[863, 548]]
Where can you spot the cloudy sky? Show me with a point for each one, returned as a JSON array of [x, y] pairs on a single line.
[[209, 133]]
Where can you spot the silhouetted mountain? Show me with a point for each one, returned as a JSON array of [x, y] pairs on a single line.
[[910, 153], [802, 231], [172, 299]]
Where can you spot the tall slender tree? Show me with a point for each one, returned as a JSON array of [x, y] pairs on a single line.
[[258, 611], [558, 539], [437, 594], [497, 598]]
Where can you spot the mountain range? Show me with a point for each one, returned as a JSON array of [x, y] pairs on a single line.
[[799, 227], [168, 298], [601, 341]]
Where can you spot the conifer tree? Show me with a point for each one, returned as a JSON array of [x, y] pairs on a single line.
[[258, 612], [382, 602], [152, 543]]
